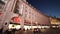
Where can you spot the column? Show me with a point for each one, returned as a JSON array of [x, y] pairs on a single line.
[[31, 25]]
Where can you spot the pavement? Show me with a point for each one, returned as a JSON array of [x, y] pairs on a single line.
[[48, 31], [52, 31]]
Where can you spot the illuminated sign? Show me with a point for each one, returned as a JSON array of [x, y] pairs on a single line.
[[16, 19]]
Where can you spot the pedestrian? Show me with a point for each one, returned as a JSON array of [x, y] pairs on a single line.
[[1, 31]]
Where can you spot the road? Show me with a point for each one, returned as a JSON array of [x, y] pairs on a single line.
[[48, 31]]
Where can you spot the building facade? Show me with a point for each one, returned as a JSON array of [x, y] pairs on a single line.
[[55, 20], [28, 15], [1, 12]]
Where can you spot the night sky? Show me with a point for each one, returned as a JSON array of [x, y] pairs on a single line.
[[48, 7]]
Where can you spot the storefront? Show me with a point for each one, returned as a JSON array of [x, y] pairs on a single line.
[[15, 23]]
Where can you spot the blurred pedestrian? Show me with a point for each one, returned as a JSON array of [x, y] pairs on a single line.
[[1, 31]]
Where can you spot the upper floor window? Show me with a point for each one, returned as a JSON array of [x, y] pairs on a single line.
[[1, 4], [29, 12], [25, 10], [25, 15], [16, 10]]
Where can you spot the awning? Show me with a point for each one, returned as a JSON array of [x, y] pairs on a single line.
[[16, 19]]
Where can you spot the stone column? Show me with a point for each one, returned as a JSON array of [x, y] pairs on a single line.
[[7, 14], [31, 25], [21, 11], [22, 23]]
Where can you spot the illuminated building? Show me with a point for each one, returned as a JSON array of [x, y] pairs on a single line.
[[28, 15], [55, 20]]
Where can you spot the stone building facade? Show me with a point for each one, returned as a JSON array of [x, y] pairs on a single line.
[[54, 20], [27, 14]]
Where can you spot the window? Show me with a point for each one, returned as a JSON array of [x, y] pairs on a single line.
[[16, 8], [29, 17], [32, 13], [25, 15], [0, 7], [2, 4], [25, 10], [29, 12], [16, 11]]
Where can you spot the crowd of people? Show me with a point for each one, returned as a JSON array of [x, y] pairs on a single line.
[[30, 31], [20, 31]]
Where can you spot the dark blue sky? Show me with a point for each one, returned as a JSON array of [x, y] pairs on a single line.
[[48, 7]]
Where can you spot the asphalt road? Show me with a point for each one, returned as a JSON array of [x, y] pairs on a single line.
[[48, 31]]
